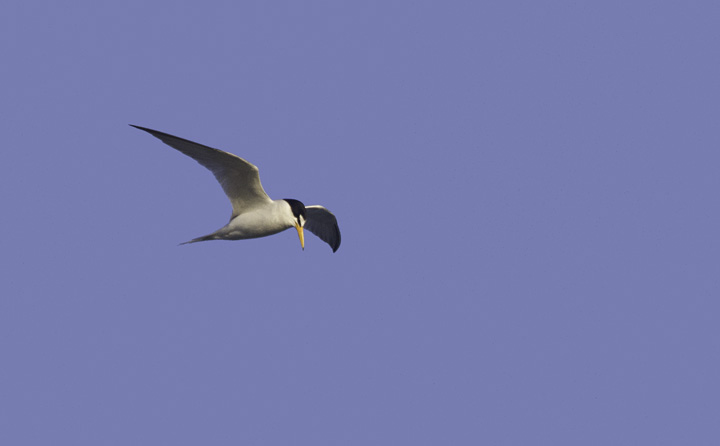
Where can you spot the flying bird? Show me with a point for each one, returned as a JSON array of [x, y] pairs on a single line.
[[254, 213]]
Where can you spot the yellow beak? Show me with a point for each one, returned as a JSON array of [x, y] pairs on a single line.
[[301, 234]]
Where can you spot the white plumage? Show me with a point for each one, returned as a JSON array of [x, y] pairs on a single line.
[[254, 213]]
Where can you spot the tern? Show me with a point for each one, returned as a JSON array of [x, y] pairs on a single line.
[[254, 213]]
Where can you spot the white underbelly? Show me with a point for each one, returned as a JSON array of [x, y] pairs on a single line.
[[253, 225]]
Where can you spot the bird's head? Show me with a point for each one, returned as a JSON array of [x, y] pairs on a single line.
[[299, 218]]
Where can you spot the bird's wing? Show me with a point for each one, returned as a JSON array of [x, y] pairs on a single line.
[[323, 223], [239, 179]]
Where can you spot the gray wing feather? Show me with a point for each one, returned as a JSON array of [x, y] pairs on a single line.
[[323, 223], [239, 179]]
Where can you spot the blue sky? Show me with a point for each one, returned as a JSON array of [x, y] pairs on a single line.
[[527, 193]]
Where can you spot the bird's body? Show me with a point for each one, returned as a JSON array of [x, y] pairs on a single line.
[[254, 213], [254, 223]]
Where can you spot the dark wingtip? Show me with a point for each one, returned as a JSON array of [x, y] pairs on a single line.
[[141, 128], [158, 134], [337, 245]]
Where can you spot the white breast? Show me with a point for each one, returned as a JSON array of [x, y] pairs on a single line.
[[259, 222]]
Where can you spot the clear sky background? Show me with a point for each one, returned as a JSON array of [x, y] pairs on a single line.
[[527, 193]]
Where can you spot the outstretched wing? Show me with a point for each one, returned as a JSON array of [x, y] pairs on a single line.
[[323, 223], [239, 179]]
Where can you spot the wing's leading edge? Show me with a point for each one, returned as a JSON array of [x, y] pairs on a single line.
[[239, 179]]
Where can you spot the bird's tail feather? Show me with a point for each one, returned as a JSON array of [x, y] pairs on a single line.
[[204, 238]]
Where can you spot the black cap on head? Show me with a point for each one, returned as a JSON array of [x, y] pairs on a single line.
[[297, 207]]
